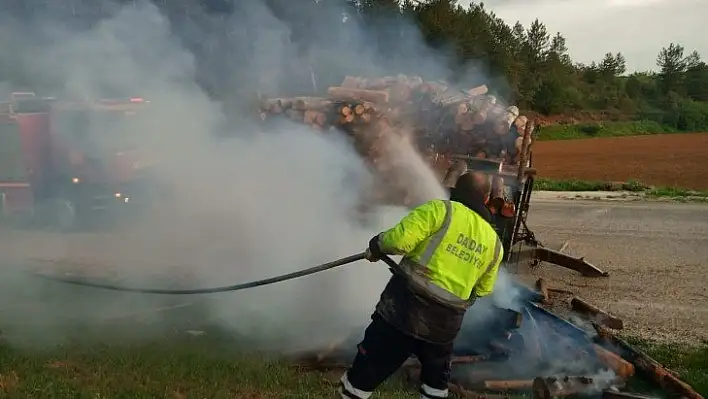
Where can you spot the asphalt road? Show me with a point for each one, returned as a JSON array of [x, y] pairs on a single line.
[[656, 253]]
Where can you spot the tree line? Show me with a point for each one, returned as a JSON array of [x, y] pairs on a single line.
[[525, 65], [540, 75]]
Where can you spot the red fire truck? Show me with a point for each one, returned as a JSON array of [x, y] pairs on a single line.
[[66, 163]]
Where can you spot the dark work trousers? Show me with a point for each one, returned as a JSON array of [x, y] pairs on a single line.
[[384, 349]]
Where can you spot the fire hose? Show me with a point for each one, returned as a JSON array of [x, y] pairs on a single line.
[[237, 287]]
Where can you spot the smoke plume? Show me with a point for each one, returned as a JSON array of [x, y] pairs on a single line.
[[239, 203]]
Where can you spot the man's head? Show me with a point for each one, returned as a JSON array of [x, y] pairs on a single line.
[[475, 181], [470, 190]]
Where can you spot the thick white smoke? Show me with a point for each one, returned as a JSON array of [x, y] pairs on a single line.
[[252, 206], [255, 205]]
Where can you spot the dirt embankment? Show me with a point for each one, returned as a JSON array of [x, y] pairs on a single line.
[[676, 160]]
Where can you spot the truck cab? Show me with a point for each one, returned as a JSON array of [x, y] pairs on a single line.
[[74, 161]]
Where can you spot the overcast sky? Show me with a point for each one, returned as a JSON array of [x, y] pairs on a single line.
[[637, 28]]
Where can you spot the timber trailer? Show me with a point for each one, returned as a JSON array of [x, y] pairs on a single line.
[[510, 203], [455, 131]]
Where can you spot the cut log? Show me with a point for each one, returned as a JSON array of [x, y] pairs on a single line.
[[399, 92], [344, 93], [415, 81], [665, 378], [518, 144], [614, 362], [295, 114], [379, 83], [647, 366], [458, 169], [275, 105], [311, 103], [346, 119], [345, 110], [564, 260], [508, 210], [520, 123], [309, 116], [542, 289], [507, 385], [479, 117], [495, 205], [509, 116], [497, 190], [478, 91], [351, 82], [465, 122], [321, 119], [550, 387], [470, 359], [599, 316], [428, 110], [437, 87]]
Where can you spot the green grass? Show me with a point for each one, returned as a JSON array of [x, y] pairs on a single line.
[[202, 367], [186, 368], [635, 186], [584, 185], [676, 192], [690, 362], [602, 129]]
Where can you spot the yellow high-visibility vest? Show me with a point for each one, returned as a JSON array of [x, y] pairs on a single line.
[[448, 250]]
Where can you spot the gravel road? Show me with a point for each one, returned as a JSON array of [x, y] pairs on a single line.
[[656, 253]]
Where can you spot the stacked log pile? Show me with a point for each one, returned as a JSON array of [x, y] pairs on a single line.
[[437, 119], [440, 118]]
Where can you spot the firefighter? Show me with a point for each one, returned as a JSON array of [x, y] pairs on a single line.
[[451, 256]]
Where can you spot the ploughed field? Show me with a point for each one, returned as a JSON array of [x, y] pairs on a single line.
[[674, 160]]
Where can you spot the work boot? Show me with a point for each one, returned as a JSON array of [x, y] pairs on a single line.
[[347, 390], [427, 392]]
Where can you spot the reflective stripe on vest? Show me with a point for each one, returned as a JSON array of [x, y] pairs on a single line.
[[415, 271], [495, 259]]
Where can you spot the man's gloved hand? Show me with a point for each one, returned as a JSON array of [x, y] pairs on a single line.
[[374, 253]]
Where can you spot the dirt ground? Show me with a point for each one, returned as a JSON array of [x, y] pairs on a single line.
[[676, 160], [655, 254]]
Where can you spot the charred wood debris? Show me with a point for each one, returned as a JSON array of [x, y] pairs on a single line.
[[530, 351], [524, 350]]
